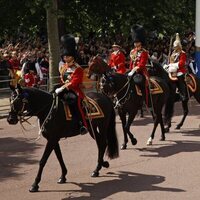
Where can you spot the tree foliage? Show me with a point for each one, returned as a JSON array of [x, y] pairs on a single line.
[[101, 16]]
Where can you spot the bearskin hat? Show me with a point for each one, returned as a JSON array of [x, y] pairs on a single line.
[[69, 45], [138, 33]]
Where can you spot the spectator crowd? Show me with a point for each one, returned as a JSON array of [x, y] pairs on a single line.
[[17, 54]]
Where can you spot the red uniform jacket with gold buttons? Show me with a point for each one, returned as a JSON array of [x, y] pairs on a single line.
[[139, 59], [74, 78], [117, 59]]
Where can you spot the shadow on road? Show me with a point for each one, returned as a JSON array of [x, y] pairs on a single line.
[[122, 182], [172, 149], [13, 153]]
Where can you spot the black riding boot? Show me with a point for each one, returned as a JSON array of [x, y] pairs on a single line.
[[182, 87], [77, 119], [77, 122]]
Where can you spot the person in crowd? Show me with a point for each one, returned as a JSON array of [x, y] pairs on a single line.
[[117, 59], [31, 72], [71, 74], [192, 65], [14, 68]]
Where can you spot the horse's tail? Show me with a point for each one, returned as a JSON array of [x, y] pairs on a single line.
[[113, 146]]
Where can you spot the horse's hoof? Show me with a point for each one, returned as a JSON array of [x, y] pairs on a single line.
[[61, 180], [178, 127], [166, 130], [106, 164], [133, 141], [162, 139], [34, 188], [149, 142], [123, 147], [95, 174]]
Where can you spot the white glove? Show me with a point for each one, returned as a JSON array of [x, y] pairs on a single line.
[[166, 67], [59, 90], [131, 72], [173, 67]]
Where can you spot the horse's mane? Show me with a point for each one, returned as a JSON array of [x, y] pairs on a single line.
[[38, 94], [158, 70]]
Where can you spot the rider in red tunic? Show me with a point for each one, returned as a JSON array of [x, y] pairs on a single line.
[[72, 78], [117, 60], [177, 68], [139, 59]]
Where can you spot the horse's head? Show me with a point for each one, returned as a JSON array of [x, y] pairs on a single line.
[[97, 66], [112, 83], [18, 104]]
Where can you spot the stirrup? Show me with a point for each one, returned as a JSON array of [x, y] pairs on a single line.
[[83, 130]]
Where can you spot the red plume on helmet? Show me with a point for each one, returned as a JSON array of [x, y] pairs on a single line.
[[69, 45], [138, 33]]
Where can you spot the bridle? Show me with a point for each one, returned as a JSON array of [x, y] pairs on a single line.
[[24, 102], [118, 102], [24, 116]]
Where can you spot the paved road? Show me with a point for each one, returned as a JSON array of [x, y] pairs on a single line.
[[168, 170]]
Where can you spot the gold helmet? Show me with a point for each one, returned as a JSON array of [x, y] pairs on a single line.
[[177, 42]]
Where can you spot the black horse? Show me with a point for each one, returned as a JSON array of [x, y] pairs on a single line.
[[53, 125], [128, 101], [157, 70]]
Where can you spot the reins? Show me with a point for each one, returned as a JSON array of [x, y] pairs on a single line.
[[124, 96], [54, 105], [22, 115]]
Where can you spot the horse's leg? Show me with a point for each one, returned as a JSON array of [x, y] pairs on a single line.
[[156, 121], [185, 113], [162, 129], [48, 149], [122, 116], [101, 144], [131, 117], [168, 113], [58, 153], [141, 112]]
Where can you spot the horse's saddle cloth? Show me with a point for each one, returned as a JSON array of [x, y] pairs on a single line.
[[191, 82], [90, 107], [154, 87]]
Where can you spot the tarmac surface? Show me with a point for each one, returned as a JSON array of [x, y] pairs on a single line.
[[167, 170]]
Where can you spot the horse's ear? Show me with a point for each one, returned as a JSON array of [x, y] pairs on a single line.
[[12, 87]]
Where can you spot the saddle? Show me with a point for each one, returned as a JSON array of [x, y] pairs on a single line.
[[154, 87], [191, 82], [90, 107], [189, 79]]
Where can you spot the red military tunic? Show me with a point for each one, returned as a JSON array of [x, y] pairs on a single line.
[[139, 59], [72, 77], [117, 59], [179, 58]]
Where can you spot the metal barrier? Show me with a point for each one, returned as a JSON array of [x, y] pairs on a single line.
[[89, 85]]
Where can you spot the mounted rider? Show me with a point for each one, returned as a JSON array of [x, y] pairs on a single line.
[[138, 60], [177, 69], [117, 60], [71, 74]]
